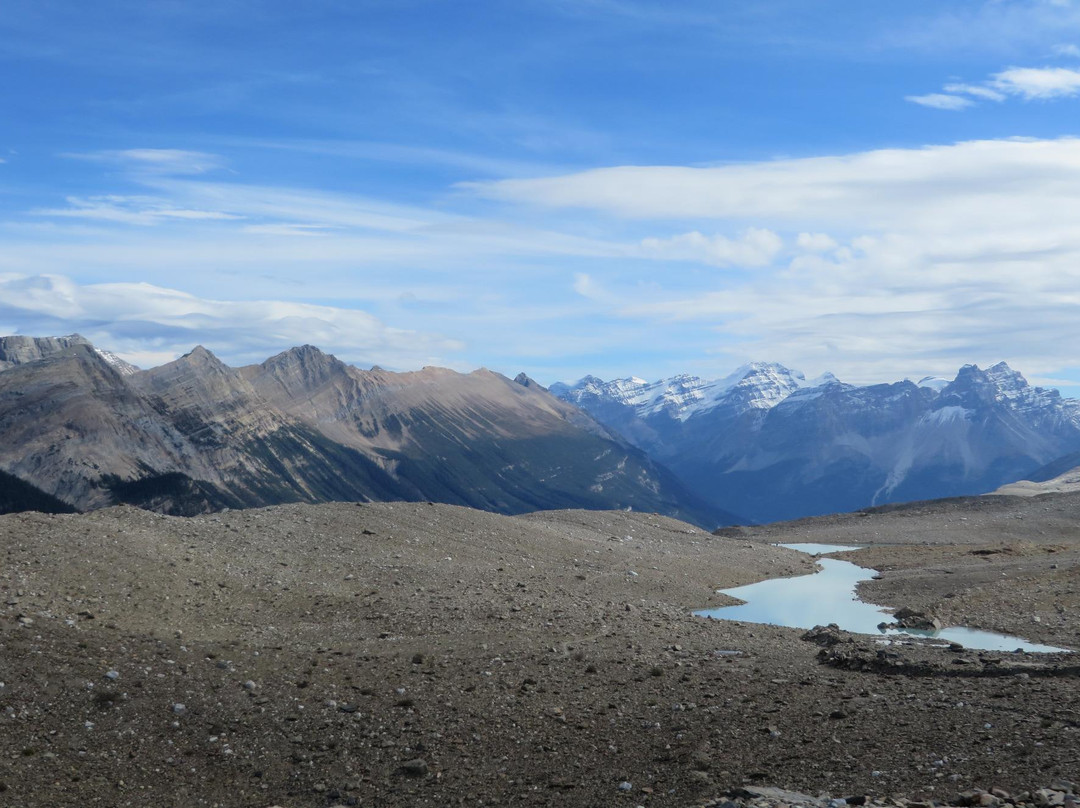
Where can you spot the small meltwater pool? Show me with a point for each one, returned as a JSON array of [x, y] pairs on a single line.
[[828, 596]]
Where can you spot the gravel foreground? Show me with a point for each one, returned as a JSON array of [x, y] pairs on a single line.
[[416, 654]]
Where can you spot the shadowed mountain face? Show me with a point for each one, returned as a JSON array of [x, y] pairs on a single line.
[[196, 435], [770, 445]]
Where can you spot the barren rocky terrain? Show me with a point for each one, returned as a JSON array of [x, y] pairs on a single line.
[[417, 654]]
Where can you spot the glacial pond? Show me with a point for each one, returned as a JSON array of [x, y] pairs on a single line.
[[828, 596]]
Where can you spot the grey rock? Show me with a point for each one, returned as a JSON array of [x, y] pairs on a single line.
[[415, 768], [910, 618]]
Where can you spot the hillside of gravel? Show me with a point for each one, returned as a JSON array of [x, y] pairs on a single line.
[[415, 654]]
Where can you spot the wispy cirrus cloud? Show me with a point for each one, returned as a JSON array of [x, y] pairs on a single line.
[[136, 210], [169, 174], [154, 161]]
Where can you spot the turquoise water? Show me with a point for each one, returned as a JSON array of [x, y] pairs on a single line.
[[828, 596]]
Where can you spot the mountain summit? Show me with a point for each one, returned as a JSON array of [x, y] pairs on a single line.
[[195, 435], [766, 443]]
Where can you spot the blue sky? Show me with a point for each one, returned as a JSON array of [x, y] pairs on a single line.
[[562, 187]]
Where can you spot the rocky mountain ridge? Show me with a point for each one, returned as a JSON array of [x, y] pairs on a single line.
[[196, 435], [768, 444]]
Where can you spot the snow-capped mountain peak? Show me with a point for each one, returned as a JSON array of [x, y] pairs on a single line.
[[756, 385], [1002, 385], [768, 443]]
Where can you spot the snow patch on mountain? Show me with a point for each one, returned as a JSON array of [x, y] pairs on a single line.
[[122, 367], [944, 415]]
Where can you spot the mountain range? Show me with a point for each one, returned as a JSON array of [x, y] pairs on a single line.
[[767, 443], [81, 428]]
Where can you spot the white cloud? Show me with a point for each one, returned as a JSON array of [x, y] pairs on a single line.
[[586, 286], [756, 247], [141, 321], [1038, 83], [999, 183], [995, 185], [936, 256], [815, 242], [977, 90], [863, 263], [1066, 49], [1029, 83], [941, 101]]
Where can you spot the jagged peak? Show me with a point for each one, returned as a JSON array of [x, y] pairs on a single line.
[[525, 381], [308, 351], [200, 354], [759, 366], [1001, 372], [755, 385], [824, 380], [19, 349], [588, 383], [23, 340], [754, 371], [998, 375], [198, 358], [306, 355], [999, 383]]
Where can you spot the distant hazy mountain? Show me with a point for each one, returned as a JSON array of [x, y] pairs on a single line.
[[79, 424], [768, 444]]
